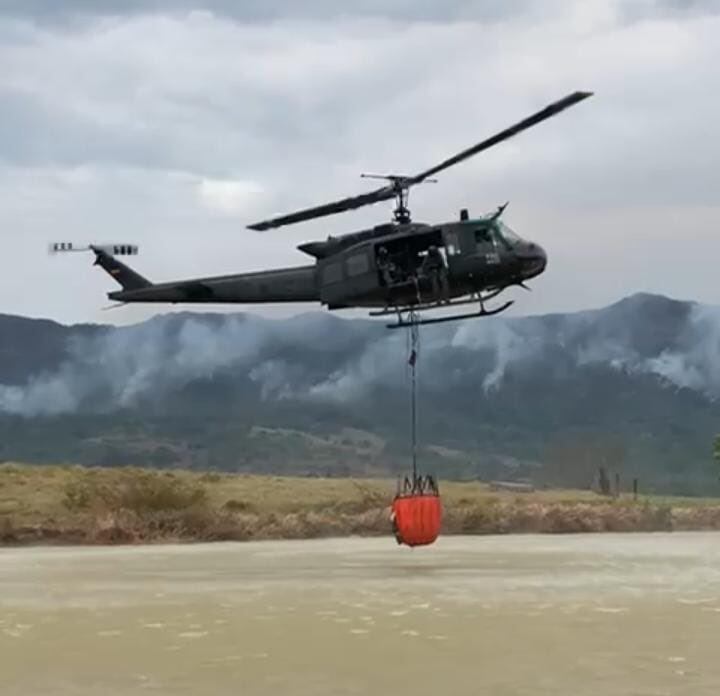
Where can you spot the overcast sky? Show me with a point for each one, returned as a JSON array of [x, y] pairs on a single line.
[[173, 124]]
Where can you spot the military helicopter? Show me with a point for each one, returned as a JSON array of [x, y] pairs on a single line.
[[398, 268]]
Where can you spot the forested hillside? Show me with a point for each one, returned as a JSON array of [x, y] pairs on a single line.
[[633, 386]]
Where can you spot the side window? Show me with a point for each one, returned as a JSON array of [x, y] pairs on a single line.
[[484, 238], [452, 246], [357, 264], [486, 244], [332, 273]]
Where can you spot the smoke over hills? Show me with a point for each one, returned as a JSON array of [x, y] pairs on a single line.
[[644, 370]]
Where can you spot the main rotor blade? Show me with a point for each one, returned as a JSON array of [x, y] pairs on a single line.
[[533, 120], [382, 194], [403, 183]]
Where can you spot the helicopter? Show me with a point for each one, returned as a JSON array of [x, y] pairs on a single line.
[[400, 268]]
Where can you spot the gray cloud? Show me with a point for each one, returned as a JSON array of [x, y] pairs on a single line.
[[54, 135], [675, 8], [271, 10], [253, 11]]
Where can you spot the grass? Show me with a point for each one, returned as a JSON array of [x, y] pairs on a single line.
[[69, 504]]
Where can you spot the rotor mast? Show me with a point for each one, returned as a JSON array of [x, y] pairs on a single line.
[[401, 187]]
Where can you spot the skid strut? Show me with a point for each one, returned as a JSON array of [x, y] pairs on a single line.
[[412, 360]]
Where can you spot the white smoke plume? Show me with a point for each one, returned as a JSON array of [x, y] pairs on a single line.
[[126, 364], [507, 344], [321, 358], [694, 363]]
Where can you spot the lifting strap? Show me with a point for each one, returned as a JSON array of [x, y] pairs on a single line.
[[416, 510], [413, 355]]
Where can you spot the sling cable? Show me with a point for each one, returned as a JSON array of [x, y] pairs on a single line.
[[416, 509]]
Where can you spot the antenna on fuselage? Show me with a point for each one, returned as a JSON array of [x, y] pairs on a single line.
[[499, 211]]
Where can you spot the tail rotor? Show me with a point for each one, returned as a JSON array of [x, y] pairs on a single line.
[[109, 249]]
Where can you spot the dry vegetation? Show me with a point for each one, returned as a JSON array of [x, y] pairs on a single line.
[[43, 504]]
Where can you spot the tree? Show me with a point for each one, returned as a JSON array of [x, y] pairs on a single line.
[[716, 449]]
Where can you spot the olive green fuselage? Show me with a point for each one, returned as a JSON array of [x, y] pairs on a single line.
[[480, 255]]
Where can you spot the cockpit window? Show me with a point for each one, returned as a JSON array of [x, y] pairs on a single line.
[[507, 233], [484, 235]]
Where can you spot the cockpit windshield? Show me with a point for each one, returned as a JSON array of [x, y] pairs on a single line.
[[508, 234]]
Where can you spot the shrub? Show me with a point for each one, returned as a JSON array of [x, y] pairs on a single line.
[[237, 506], [137, 491], [77, 496]]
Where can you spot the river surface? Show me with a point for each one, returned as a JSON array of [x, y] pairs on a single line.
[[568, 615]]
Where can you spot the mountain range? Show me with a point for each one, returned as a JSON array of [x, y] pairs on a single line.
[[633, 387]]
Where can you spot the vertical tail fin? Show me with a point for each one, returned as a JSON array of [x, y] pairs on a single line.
[[105, 258]]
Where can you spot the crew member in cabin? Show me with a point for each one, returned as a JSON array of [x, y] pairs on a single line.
[[386, 266], [435, 268]]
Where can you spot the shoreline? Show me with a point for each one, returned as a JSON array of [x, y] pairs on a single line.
[[63, 506], [95, 535]]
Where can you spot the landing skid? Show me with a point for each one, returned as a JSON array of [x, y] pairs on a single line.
[[408, 315], [455, 317], [435, 305]]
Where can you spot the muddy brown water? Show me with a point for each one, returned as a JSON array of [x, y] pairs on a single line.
[[635, 614]]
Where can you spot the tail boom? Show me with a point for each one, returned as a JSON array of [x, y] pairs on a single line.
[[297, 284], [276, 286]]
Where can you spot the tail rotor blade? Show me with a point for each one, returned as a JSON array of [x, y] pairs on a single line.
[[110, 249], [65, 247]]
